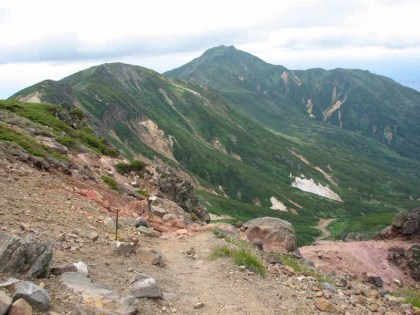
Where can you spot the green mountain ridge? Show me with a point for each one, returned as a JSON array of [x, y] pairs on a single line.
[[370, 104], [208, 130]]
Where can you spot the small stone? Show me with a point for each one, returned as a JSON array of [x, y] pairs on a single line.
[[191, 251], [123, 248], [182, 232], [326, 306], [329, 287], [150, 256], [145, 286], [199, 305], [141, 222], [145, 231], [60, 269], [81, 267], [20, 307], [375, 280], [93, 236]]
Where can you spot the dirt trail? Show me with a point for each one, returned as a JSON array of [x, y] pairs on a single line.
[[322, 226], [44, 206]]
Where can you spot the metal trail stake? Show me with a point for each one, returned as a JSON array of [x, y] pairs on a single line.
[[116, 226]]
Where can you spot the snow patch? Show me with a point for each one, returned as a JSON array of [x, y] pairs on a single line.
[[277, 204], [310, 186]]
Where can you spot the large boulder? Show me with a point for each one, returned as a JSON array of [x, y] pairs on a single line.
[[408, 222], [37, 297], [25, 256], [273, 234]]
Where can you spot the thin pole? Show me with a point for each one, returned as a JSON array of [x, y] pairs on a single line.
[[116, 226]]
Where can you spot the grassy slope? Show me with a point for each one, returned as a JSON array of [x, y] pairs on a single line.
[[116, 97]]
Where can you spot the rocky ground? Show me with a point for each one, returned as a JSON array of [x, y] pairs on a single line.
[[49, 206]]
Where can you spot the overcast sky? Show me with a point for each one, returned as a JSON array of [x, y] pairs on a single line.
[[50, 39]]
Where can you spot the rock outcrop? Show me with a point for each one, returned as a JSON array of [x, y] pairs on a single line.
[[406, 224], [407, 260], [25, 256], [181, 191], [272, 234]]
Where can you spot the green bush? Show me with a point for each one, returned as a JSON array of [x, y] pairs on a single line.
[[110, 182], [241, 255], [125, 168], [411, 296]]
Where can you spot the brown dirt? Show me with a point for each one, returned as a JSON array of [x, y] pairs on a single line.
[[356, 258], [45, 205], [322, 226]]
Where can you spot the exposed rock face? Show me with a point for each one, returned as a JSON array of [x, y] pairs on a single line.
[[407, 260], [23, 255], [408, 223], [20, 307], [275, 235], [181, 191]]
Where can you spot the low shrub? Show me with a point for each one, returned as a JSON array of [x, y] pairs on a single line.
[[110, 182]]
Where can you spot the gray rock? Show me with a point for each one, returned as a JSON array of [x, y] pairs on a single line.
[[51, 143], [158, 211], [410, 226], [148, 232], [276, 235], [60, 269], [24, 255], [5, 302], [110, 223], [37, 297], [93, 236], [329, 287], [145, 286], [141, 222], [375, 280], [80, 282], [150, 256], [123, 248]]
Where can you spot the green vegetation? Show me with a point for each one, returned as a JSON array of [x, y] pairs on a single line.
[[261, 124], [27, 143], [301, 268], [411, 296], [135, 166], [368, 225], [241, 255], [47, 115], [110, 182]]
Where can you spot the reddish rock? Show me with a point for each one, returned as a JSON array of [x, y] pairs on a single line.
[[20, 307], [275, 235], [138, 207]]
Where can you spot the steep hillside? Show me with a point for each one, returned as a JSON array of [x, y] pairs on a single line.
[[320, 171], [287, 100]]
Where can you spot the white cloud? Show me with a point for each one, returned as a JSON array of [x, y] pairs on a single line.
[[162, 34]]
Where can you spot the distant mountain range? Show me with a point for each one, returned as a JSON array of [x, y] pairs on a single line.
[[308, 144]]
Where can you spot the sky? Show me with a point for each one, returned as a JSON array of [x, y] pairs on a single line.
[[51, 39]]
